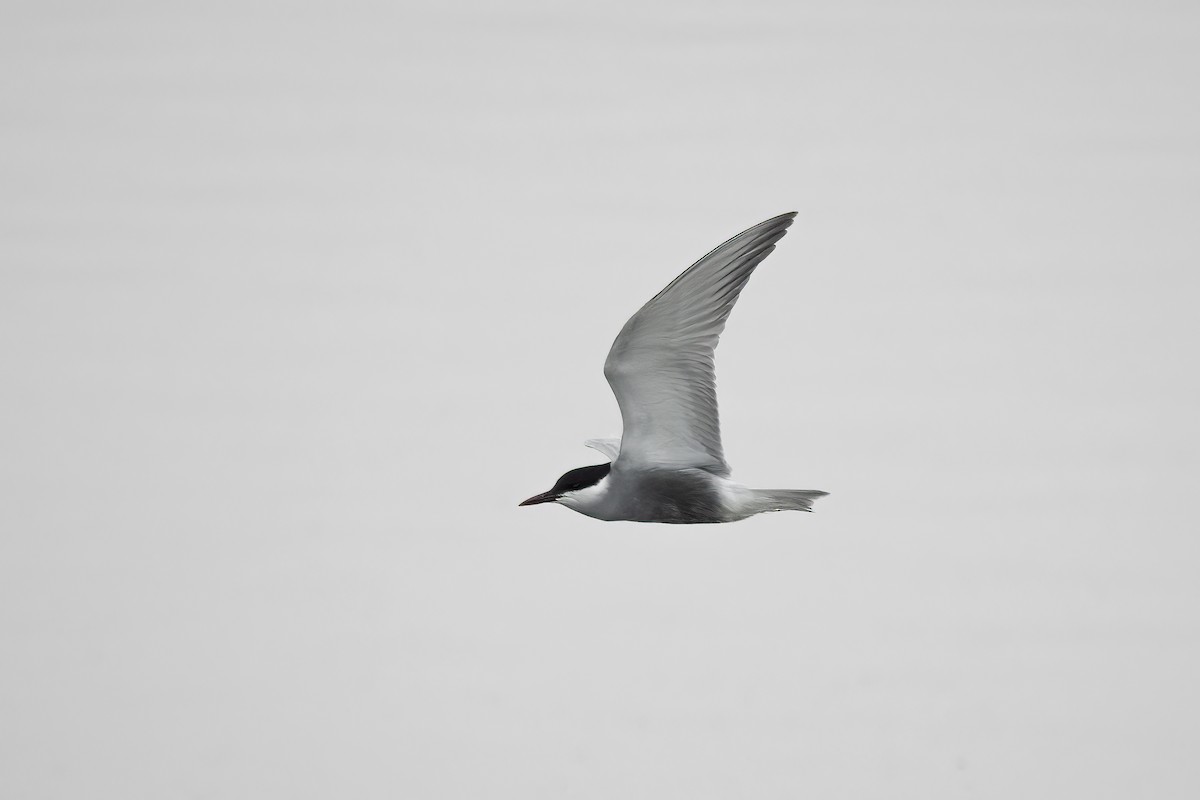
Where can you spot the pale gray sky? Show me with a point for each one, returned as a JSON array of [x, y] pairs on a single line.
[[296, 304]]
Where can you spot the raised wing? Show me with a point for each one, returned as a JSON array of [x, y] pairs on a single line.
[[610, 447], [661, 365]]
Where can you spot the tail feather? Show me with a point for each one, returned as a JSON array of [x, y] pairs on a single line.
[[788, 499]]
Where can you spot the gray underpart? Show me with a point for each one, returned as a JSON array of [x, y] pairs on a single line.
[[682, 497]]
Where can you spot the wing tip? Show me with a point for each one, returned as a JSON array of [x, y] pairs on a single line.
[[782, 220], [773, 229]]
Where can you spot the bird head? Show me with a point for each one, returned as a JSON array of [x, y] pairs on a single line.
[[573, 481]]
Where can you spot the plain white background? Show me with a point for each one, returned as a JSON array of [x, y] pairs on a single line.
[[297, 301]]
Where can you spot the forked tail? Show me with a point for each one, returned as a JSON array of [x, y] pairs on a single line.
[[787, 499]]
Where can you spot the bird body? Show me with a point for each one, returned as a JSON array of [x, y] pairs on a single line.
[[678, 496], [669, 465]]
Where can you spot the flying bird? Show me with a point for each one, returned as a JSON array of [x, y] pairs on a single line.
[[668, 465]]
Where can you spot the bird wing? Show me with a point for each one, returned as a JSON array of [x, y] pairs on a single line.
[[661, 365], [610, 447]]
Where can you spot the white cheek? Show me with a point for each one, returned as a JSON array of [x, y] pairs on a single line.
[[587, 497]]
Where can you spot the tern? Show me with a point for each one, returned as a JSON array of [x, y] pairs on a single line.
[[668, 465]]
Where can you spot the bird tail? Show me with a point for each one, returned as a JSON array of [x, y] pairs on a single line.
[[787, 499]]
